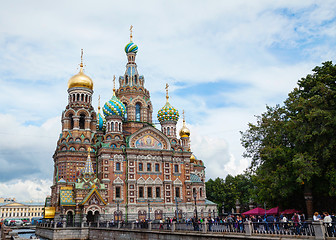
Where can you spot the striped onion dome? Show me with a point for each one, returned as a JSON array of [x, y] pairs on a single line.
[[131, 48], [114, 107]]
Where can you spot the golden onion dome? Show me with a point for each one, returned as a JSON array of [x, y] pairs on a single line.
[[80, 80], [184, 132], [192, 158]]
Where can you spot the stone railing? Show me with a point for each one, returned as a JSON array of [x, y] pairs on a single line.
[[307, 230]]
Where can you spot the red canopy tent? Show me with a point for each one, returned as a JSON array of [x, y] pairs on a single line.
[[273, 211], [290, 211], [255, 211]]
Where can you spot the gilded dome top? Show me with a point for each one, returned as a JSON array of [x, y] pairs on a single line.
[[184, 132], [80, 80]]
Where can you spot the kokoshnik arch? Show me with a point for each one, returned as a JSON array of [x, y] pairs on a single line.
[[117, 165]]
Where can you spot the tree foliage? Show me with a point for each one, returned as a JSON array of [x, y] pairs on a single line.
[[228, 190], [293, 147]]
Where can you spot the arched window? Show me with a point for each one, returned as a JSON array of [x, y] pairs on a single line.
[[125, 111], [77, 96], [82, 121], [112, 127], [126, 79], [135, 79], [201, 193], [120, 127], [137, 112], [118, 166], [168, 131], [82, 97], [116, 127], [71, 121], [86, 98]]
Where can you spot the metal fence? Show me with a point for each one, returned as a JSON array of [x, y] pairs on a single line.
[[283, 228]]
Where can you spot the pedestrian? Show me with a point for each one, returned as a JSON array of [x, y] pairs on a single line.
[[327, 222]]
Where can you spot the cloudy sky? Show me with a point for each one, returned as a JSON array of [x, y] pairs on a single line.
[[224, 60]]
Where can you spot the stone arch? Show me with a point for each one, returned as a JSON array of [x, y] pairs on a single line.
[[68, 112], [83, 111]]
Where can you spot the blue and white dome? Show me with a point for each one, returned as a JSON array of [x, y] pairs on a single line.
[[100, 121], [131, 48], [114, 107]]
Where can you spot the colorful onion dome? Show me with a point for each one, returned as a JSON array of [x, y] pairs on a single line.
[[168, 113], [114, 107], [131, 48], [100, 122], [80, 79]]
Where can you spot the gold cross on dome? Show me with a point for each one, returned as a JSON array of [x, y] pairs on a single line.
[[131, 36], [167, 97], [81, 64]]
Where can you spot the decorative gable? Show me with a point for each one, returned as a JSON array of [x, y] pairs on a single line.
[[141, 180], [177, 182], [149, 138]]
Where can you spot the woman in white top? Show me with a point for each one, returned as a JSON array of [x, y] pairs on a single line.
[[316, 216]]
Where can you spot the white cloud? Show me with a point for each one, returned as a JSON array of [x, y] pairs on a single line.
[[26, 190], [264, 46]]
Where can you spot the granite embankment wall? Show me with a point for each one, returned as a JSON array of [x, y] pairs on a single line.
[[143, 234]]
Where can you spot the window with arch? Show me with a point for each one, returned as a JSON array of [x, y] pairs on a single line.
[[82, 97], [117, 166], [82, 121], [201, 193], [116, 126], [125, 111], [71, 121], [168, 131], [135, 79], [137, 112], [140, 167], [126, 77]]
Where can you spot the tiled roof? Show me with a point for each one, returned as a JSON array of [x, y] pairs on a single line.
[[194, 178]]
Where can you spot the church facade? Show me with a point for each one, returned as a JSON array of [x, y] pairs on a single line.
[[115, 164]]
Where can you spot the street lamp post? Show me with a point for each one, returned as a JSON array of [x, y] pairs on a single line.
[[177, 213], [148, 209], [117, 212], [195, 196]]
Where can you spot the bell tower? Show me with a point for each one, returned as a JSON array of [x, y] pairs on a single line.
[[133, 94], [79, 121]]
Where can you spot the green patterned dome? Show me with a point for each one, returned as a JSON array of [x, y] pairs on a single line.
[[168, 113]]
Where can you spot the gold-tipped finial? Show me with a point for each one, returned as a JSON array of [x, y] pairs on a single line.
[[81, 64], [99, 104], [131, 36], [114, 85], [167, 96], [89, 150], [183, 117]]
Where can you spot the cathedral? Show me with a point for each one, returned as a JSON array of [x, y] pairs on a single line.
[[115, 164]]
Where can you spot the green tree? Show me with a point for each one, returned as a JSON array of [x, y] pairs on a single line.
[[229, 190], [293, 147]]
